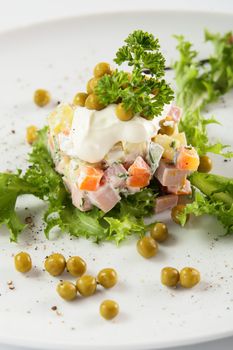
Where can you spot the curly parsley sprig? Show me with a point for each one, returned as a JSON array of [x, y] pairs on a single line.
[[139, 93]]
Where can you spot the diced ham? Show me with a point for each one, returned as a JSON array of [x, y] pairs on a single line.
[[175, 112], [180, 190], [165, 202], [79, 198], [105, 198], [169, 175], [116, 175]]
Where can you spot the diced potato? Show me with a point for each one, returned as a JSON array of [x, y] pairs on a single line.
[[61, 119], [181, 137], [133, 150], [169, 144], [115, 154]]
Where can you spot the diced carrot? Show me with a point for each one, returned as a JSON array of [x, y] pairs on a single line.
[[139, 173], [89, 178], [139, 167], [138, 180], [187, 159]]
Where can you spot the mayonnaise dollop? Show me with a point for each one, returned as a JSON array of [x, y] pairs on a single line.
[[94, 133]]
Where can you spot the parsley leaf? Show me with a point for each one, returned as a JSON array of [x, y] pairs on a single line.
[[142, 94], [142, 52]]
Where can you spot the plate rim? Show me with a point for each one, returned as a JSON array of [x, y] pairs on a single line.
[[108, 12]]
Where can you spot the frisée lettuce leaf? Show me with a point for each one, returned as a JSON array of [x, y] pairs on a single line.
[[215, 198], [200, 82], [42, 181]]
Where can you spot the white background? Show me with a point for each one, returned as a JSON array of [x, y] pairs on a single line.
[[16, 13]]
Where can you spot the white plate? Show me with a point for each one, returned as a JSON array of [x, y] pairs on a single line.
[[59, 56]]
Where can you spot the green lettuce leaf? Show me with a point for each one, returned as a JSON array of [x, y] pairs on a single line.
[[204, 205], [216, 199], [216, 187], [11, 186], [121, 228], [199, 84], [221, 61]]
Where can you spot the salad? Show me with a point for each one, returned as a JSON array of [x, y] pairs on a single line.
[[102, 158], [126, 149]]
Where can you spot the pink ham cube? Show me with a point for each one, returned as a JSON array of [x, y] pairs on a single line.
[[175, 112], [165, 202], [116, 175], [180, 190], [79, 198], [169, 175], [105, 198]]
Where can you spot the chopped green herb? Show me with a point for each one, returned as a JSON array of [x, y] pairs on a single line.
[[122, 176], [137, 91], [173, 144]]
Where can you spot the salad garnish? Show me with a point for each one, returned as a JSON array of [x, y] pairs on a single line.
[[198, 85], [215, 198], [135, 89]]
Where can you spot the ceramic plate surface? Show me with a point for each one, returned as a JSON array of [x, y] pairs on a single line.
[[59, 56]]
